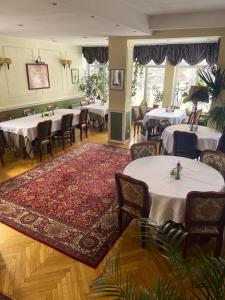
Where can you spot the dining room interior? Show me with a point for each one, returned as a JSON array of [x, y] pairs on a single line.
[[112, 150]]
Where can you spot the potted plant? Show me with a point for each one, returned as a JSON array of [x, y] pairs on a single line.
[[196, 94], [214, 79], [201, 278], [93, 85], [158, 96]]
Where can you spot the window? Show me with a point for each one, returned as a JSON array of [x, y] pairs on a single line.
[[150, 84], [185, 77], [96, 68]]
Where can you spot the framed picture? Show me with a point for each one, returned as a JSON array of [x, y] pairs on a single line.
[[37, 76], [117, 79], [75, 75]]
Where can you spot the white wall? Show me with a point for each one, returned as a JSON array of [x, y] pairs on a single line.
[[14, 92]]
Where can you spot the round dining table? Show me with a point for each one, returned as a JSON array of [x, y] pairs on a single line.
[[167, 193], [208, 138]]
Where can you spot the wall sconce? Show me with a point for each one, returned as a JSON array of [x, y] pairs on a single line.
[[5, 61], [65, 62]]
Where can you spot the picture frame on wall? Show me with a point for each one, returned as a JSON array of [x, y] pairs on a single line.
[[75, 76], [117, 79], [37, 76]]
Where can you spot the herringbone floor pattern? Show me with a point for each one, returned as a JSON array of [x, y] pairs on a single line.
[[30, 270]]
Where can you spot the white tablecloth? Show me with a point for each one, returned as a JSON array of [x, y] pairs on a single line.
[[208, 138], [168, 194], [27, 127], [96, 108], [175, 117]]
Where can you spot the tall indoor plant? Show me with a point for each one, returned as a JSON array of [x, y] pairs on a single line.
[[202, 278], [214, 79]]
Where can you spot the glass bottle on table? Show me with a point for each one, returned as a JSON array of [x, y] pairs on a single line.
[[177, 174]]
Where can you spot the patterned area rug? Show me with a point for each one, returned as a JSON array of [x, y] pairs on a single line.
[[68, 203]]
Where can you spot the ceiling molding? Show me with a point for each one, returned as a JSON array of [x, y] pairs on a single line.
[[212, 19]]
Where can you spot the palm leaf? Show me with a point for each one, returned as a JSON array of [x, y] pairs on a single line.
[[213, 78], [209, 277], [217, 117]]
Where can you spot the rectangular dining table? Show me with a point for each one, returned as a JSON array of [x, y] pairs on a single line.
[[20, 132]]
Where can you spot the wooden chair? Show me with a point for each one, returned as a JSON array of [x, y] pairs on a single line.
[[194, 119], [28, 112], [83, 102], [66, 131], [83, 122], [197, 117], [133, 199], [44, 136], [139, 150], [2, 150], [205, 217], [136, 118], [5, 117], [191, 119], [221, 144], [214, 159], [143, 111], [184, 144]]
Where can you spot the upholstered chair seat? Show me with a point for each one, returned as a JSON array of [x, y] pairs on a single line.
[[214, 159]]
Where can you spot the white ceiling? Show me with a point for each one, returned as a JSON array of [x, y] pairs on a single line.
[[90, 22]]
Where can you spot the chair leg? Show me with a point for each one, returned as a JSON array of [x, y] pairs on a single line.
[[120, 218], [219, 243], [138, 129], [186, 245], [71, 138], [63, 141], [81, 132], [86, 130], [134, 129], [40, 151], [143, 235], [1, 157]]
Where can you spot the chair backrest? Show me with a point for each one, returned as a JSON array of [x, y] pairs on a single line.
[[205, 209], [50, 107], [83, 102], [135, 113], [221, 144], [5, 117], [191, 118], [143, 111], [28, 112], [133, 193], [91, 101], [184, 144], [66, 122], [214, 159], [139, 150], [83, 116], [197, 116], [44, 130]]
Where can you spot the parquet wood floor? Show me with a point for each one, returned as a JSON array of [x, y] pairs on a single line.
[[30, 270]]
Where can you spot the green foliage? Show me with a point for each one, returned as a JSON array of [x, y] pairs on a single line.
[[138, 72], [93, 85], [214, 78], [206, 275], [217, 117], [158, 95]]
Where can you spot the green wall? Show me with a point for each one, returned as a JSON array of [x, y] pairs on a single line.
[[128, 124], [116, 126], [18, 112]]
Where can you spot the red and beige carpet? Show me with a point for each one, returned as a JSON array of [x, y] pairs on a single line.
[[68, 203]]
